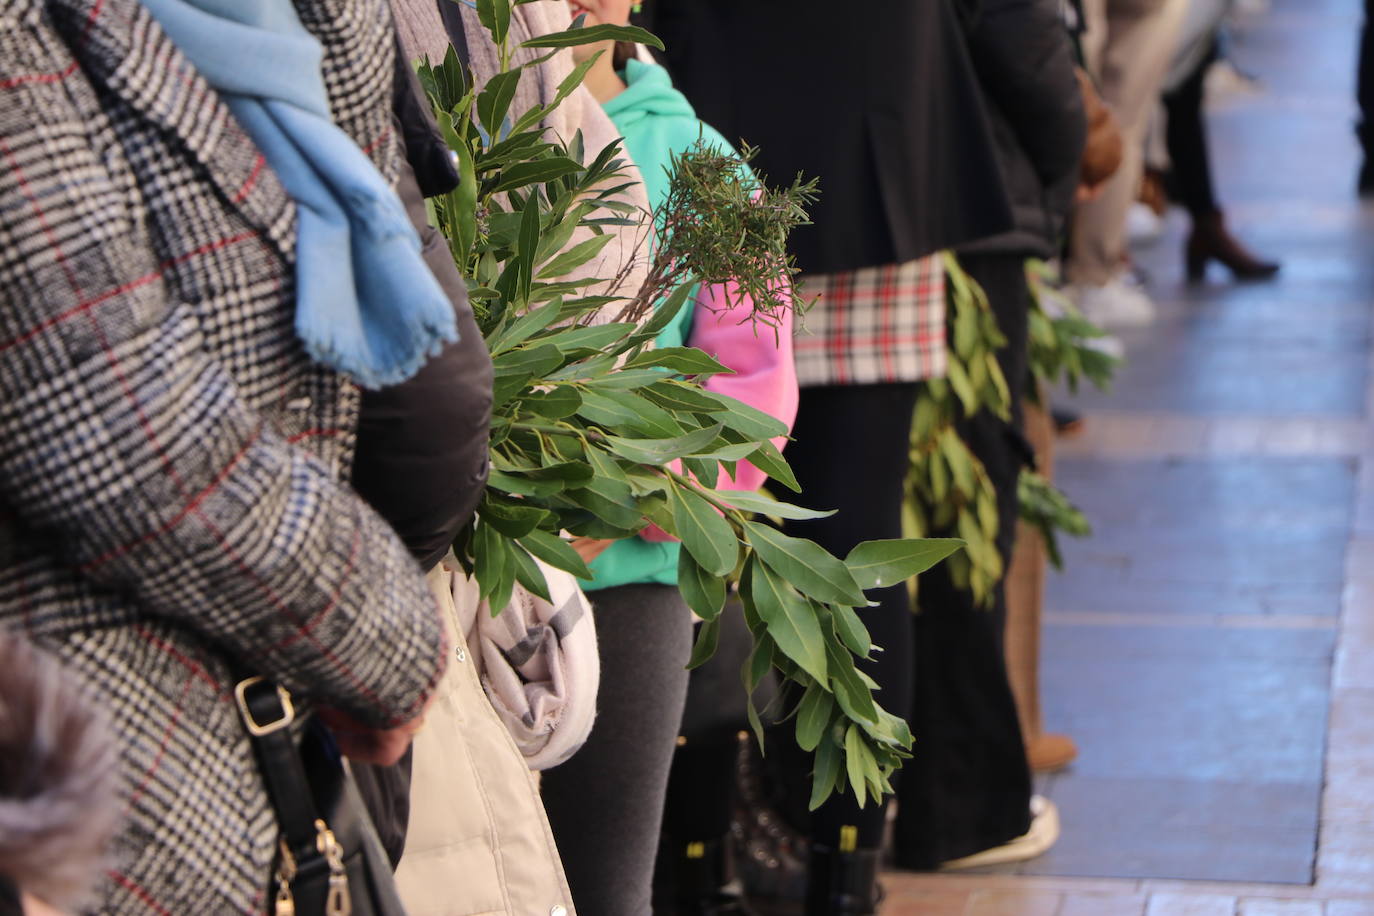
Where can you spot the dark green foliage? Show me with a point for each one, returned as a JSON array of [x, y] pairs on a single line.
[[597, 434]]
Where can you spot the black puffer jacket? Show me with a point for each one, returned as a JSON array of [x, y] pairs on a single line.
[[1024, 60], [422, 445]]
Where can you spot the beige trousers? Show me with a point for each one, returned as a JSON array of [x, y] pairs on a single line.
[[479, 843], [1128, 46], [1026, 591]]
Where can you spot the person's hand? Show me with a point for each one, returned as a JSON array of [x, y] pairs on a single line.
[[1104, 149], [380, 746], [590, 548]]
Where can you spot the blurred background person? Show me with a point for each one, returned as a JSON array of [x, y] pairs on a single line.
[[965, 796], [1190, 180], [1127, 46]]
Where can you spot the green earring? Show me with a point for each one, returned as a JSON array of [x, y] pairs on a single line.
[[636, 8]]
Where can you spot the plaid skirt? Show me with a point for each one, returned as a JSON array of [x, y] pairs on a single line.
[[874, 324]]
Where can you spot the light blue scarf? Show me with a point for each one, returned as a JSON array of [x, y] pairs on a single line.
[[366, 303]]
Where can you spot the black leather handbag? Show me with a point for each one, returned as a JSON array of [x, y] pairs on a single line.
[[330, 861]]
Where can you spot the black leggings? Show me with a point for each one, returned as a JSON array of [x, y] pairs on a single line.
[[606, 804], [851, 453]]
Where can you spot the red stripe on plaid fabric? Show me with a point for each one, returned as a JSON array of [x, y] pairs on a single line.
[[333, 602], [286, 612], [214, 529], [887, 291], [42, 217], [27, 78], [86, 304], [209, 247], [133, 887], [381, 138], [315, 434], [66, 71], [80, 309], [177, 519], [885, 339], [841, 298], [171, 472], [195, 667], [251, 180], [142, 786]]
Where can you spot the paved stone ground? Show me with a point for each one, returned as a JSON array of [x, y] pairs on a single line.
[[1212, 648]]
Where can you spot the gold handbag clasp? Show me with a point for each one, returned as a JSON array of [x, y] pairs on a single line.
[[255, 728]]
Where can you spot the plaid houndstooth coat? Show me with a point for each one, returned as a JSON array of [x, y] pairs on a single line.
[[171, 463]]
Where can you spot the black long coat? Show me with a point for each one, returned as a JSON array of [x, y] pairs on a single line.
[[877, 98]]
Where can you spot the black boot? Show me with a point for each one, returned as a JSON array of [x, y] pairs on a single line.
[[843, 883], [695, 879]]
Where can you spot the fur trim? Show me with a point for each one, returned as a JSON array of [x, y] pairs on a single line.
[[58, 803]]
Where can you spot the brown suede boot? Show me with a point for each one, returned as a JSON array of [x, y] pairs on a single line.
[[1212, 241]]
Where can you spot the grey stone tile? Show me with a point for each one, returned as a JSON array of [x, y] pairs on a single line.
[[1253, 495], [1190, 703], [1232, 536], [1082, 592], [1184, 829], [1203, 377], [1142, 557]]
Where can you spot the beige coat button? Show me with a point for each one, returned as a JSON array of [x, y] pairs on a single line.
[[559, 911]]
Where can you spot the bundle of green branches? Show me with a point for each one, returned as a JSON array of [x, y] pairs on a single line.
[[598, 434], [947, 488], [1049, 512], [1064, 346], [1063, 350]]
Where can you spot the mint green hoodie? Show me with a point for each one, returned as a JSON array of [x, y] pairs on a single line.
[[656, 122]]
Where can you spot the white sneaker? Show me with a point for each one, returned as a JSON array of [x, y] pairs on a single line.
[[1143, 225], [1227, 81], [1043, 833], [1118, 303]]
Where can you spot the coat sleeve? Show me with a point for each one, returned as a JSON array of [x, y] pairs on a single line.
[[1024, 60], [123, 438]]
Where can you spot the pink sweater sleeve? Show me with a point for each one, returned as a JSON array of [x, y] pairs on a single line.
[[765, 376]]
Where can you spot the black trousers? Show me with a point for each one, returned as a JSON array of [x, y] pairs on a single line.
[[968, 786], [850, 452], [1186, 138]]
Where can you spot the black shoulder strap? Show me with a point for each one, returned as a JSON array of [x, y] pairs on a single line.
[[457, 34]]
